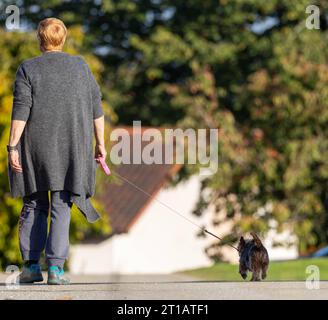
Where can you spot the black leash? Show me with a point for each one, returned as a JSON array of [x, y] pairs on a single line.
[[171, 209], [228, 244]]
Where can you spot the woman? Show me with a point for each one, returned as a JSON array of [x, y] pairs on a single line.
[[56, 108]]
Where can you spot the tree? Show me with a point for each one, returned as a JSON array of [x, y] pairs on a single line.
[[273, 172], [250, 69]]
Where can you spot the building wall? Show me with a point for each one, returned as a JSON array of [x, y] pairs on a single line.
[[279, 252], [161, 241]]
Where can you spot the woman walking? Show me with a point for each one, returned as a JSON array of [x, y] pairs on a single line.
[[56, 110]]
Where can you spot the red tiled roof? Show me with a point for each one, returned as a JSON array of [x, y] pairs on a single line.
[[123, 202]]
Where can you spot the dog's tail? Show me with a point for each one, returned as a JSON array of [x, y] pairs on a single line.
[[257, 240]]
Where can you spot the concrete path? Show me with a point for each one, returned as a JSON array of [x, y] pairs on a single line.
[[160, 287]]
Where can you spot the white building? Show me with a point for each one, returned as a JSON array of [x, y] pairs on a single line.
[[150, 233]]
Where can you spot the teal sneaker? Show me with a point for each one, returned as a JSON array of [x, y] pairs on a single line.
[[56, 276], [30, 273]]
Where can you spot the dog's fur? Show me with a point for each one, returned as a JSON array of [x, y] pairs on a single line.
[[253, 257]]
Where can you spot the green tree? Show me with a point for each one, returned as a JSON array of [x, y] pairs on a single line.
[[247, 67], [253, 70]]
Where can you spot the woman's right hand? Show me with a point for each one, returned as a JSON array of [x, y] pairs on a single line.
[[14, 161], [100, 152]]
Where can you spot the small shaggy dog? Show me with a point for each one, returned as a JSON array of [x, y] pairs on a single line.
[[253, 257]]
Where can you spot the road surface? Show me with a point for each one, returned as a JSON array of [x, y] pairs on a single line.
[[160, 287]]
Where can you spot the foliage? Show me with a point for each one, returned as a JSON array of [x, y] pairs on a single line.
[[247, 67], [293, 270]]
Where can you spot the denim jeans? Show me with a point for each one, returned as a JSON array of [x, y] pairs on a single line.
[[33, 227]]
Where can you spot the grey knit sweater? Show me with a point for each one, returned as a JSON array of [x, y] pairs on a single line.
[[58, 96]]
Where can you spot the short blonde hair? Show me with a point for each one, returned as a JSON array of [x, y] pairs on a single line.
[[51, 34]]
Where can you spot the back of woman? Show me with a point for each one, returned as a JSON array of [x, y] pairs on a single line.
[[56, 110], [56, 145]]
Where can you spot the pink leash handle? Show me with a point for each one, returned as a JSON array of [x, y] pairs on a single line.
[[103, 165]]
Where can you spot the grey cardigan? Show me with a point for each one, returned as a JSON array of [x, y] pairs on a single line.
[[58, 97]]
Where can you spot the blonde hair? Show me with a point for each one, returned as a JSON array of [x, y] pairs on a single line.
[[51, 34]]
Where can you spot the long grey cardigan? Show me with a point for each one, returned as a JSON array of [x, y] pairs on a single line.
[[58, 96]]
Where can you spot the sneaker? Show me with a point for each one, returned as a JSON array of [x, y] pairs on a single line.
[[30, 273], [56, 276]]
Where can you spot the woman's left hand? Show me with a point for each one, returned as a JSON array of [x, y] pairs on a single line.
[[14, 161]]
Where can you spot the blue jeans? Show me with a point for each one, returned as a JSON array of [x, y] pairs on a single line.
[[33, 227]]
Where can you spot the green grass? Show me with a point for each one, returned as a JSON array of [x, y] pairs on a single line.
[[286, 270]]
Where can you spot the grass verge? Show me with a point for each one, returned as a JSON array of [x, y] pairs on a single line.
[[284, 270]]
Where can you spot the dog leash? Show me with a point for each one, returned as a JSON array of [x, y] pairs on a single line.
[[108, 172]]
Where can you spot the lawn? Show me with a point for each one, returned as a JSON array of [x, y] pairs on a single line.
[[285, 270]]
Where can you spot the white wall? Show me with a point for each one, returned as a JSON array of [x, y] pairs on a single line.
[[162, 242], [159, 242], [281, 253]]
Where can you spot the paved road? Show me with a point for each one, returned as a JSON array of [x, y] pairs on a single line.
[[161, 287]]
